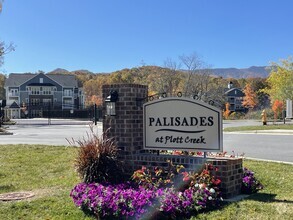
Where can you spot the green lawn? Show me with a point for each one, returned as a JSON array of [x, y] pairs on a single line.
[[260, 127], [48, 172]]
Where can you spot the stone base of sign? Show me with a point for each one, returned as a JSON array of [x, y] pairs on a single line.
[[229, 170]]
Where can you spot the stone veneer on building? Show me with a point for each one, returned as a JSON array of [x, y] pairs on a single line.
[[127, 130]]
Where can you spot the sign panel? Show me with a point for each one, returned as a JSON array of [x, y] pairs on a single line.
[[182, 124]]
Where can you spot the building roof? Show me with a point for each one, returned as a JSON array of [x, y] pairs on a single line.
[[234, 92], [16, 79], [14, 105], [65, 80]]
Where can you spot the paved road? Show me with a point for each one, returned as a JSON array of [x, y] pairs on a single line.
[[267, 145], [264, 146], [38, 131]]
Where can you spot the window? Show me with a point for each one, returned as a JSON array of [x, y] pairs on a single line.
[[68, 92], [67, 101], [35, 90], [47, 90], [13, 92], [41, 80], [47, 102], [35, 101]]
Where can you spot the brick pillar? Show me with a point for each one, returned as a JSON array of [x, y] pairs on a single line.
[[127, 126], [230, 171]]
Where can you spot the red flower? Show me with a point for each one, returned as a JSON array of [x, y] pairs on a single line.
[[216, 182], [199, 153], [185, 176]]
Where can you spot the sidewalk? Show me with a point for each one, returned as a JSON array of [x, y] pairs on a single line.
[[271, 132]]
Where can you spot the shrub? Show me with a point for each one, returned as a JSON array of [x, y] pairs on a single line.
[[97, 160], [257, 114], [236, 115], [159, 177]]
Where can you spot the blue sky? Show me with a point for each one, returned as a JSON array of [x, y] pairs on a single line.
[[109, 35]]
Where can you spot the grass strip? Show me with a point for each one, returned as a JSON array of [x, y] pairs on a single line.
[[260, 127], [48, 172]]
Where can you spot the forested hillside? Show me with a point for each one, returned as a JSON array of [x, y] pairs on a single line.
[[208, 84], [203, 83]]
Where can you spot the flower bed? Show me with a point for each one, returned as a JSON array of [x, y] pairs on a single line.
[[150, 191], [169, 191]]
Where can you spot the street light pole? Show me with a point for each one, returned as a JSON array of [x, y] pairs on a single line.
[[49, 114], [95, 114]]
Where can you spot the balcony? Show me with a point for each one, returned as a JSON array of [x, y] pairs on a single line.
[[13, 94], [67, 94], [41, 93]]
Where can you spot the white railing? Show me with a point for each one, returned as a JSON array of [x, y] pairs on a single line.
[[68, 94], [13, 94]]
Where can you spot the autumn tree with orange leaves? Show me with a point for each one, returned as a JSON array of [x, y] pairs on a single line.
[[277, 108], [250, 99], [227, 111]]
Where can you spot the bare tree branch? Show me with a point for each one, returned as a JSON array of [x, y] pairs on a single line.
[[5, 49]]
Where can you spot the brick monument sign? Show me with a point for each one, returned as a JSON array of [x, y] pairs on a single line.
[[141, 128]]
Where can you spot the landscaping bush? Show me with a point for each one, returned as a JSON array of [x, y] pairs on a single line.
[[256, 115], [236, 116], [97, 160]]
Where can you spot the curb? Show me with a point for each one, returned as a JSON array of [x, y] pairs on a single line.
[[266, 132], [272, 161], [6, 133]]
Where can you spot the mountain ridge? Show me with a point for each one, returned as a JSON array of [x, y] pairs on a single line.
[[253, 71]]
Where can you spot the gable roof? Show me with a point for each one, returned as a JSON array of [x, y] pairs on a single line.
[[65, 80], [16, 79], [14, 105], [234, 92]]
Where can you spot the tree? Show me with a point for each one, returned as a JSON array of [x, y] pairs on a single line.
[[250, 98], [93, 89], [277, 108], [197, 75], [5, 49], [257, 85], [280, 81], [1, 2], [2, 91], [227, 111], [166, 79]]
